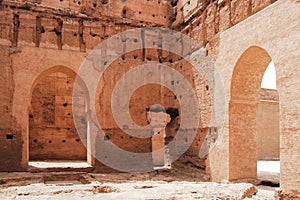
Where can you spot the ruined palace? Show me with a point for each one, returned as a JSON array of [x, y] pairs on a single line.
[[136, 86]]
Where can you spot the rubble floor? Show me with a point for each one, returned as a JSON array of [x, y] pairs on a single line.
[[136, 190], [74, 185], [184, 184]]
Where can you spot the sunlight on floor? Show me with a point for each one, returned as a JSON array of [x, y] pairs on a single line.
[[268, 166], [59, 164]]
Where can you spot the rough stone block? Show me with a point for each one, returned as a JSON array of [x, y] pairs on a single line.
[[240, 10]]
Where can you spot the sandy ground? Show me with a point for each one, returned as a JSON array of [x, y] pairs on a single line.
[[148, 190], [74, 185], [151, 186]]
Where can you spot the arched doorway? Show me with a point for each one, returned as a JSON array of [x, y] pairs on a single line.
[[53, 136], [268, 136], [244, 113]]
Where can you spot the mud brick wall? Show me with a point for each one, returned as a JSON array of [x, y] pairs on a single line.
[[203, 19], [155, 11], [75, 24], [10, 133], [79, 25], [146, 96]]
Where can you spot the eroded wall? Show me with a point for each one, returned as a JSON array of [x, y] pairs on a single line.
[[46, 36], [11, 138], [146, 96], [49, 34], [59, 35], [278, 36], [203, 19]]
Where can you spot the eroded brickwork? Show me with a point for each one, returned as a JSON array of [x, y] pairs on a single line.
[[203, 19], [36, 35], [11, 138]]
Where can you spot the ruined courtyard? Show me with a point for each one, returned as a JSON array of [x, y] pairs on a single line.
[[150, 99]]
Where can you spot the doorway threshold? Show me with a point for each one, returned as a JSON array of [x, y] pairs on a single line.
[[59, 166]]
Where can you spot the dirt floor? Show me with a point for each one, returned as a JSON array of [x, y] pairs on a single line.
[[156, 185], [71, 180]]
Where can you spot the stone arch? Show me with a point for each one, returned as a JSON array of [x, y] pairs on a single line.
[[243, 106], [63, 124]]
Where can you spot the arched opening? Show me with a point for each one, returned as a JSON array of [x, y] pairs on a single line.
[[53, 138], [249, 114], [268, 137]]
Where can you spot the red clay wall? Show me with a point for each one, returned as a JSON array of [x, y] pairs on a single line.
[[203, 19], [10, 132]]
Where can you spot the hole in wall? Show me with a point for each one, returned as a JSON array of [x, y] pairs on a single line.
[[57, 32], [42, 29], [93, 34], [77, 140], [106, 137], [9, 136], [35, 140], [173, 112], [65, 104], [49, 141], [124, 12], [63, 141], [174, 3], [31, 116]]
